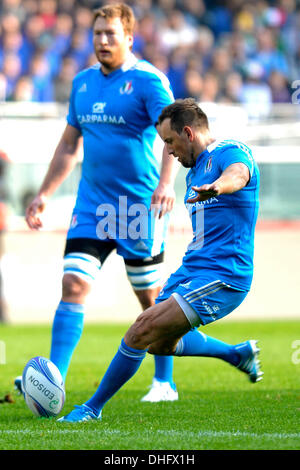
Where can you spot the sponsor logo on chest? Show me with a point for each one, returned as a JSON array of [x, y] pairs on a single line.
[[98, 115]]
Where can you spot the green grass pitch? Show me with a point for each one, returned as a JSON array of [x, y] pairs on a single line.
[[218, 407]]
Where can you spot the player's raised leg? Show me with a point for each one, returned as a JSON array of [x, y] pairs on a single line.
[[208, 303]]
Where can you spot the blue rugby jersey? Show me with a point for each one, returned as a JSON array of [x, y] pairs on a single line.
[[116, 114], [223, 226]]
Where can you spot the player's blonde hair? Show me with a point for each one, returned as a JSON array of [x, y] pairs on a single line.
[[118, 10]]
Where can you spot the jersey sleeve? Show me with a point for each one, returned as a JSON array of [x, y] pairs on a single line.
[[236, 153], [71, 116], [157, 94]]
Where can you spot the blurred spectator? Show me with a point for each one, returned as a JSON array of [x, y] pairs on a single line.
[[193, 84], [161, 62], [220, 19], [232, 89], [63, 83], [11, 68], [14, 7], [194, 11], [268, 56], [176, 32], [177, 70], [210, 88], [10, 23], [162, 8], [204, 46], [279, 88], [30, 7], [47, 11], [62, 34], [34, 33], [24, 89], [146, 34], [239, 49], [221, 65], [83, 18], [81, 47], [14, 42], [41, 78], [256, 94], [67, 6], [184, 38]]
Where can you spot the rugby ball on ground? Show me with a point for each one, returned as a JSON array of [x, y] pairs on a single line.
[[43, 387]]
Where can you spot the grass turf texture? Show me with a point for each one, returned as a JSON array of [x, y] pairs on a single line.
[[218, 407]]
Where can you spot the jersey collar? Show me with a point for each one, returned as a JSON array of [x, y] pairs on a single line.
[[129, 62], [210, 148]]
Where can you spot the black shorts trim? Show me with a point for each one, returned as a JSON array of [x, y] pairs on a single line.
[[97, 248], [145, 261], [101, 250]]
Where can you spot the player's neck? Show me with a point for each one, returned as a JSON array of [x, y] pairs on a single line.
[[203, 141]]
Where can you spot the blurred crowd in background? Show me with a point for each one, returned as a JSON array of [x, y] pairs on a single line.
[[232, 51]]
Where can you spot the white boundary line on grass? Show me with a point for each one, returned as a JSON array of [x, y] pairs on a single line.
[[216, 434]]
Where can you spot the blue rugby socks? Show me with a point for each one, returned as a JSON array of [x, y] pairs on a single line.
[[66, 332], [123, 366], [128, 360], [196, 343], [164, 369]]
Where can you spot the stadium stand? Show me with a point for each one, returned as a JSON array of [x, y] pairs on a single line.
[[216, 51]]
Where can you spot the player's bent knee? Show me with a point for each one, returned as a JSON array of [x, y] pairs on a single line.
[[73, 286], [139, 334]]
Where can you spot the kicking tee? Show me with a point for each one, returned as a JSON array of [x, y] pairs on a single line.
[[223, 226]]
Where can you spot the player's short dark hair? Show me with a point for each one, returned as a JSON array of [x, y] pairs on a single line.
[[117, 10], [184, 112]]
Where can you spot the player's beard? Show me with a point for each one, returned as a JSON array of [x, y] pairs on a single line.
[[113, 59], [190, 161]]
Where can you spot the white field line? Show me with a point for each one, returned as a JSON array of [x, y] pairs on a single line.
[[210, 434]]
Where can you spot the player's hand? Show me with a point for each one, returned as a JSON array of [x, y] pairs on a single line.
[[163, 199], [206, 191], [33, 212]]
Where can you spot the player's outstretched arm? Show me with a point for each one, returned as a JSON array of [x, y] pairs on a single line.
[[163, 198], [61, 165], [234, 178]]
